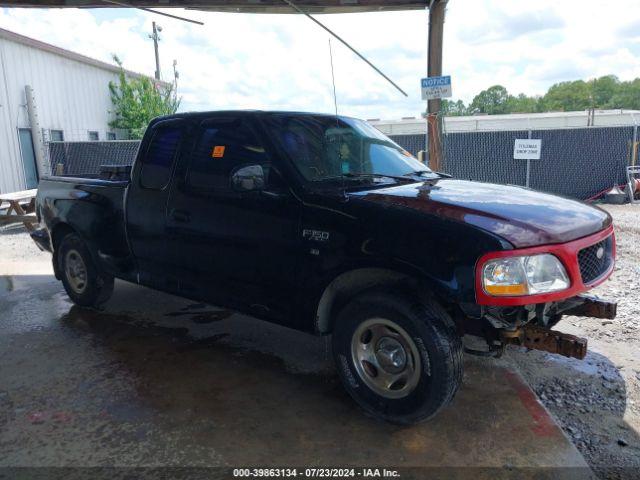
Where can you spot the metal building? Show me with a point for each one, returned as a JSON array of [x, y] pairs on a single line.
[[47, 93], [514, 121]]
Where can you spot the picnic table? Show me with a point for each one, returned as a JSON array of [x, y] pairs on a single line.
[[20, 207]]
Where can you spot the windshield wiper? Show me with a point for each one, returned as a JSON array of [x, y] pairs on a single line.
[[422, 172], [374, 175], [417, 172], [362, 175]]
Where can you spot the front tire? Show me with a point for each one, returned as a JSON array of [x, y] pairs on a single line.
[[85, 284], [398, 357]]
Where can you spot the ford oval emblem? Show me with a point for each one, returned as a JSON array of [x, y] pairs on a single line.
[[600, 253]]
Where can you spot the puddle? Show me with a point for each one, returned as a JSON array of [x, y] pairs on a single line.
[[591, 366], [8, 281], [203, 317]]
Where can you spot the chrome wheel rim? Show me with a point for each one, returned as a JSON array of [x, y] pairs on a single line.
[[75, 271], [386, 358]]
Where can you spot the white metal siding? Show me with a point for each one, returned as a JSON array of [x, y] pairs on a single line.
[[534, 121], [70, 95], [11, 171]]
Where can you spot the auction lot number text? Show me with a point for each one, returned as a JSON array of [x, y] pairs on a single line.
[[315, 472]]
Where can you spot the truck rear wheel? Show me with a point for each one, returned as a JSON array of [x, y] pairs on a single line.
[[85, 284], [399, 358]]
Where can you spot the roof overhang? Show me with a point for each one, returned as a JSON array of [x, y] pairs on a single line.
[[237, 6]]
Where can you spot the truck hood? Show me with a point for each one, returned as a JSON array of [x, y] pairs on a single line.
[[521, 216]]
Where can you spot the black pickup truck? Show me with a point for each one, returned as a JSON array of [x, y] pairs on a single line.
[[323, 224]]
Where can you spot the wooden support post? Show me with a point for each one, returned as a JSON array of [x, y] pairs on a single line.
[[434, 69]]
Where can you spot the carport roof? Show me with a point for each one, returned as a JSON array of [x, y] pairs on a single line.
[[238, 6]]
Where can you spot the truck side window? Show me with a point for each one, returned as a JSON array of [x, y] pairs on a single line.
[[156, 166], [220, 148]]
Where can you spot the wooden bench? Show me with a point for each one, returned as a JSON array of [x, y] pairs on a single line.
[[19, 208]]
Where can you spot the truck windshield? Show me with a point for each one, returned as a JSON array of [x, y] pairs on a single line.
[[325, 148]]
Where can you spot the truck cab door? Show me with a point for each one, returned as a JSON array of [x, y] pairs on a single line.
[[229, 247], [147, 197]]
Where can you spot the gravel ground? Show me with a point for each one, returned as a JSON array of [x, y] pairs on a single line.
[[596, 400]]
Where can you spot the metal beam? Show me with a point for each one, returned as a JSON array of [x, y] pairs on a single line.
[[434, 69], [238, 6], [362, 57], [128, 5]]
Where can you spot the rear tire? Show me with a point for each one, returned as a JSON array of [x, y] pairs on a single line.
[[85, 284], [398, 357]]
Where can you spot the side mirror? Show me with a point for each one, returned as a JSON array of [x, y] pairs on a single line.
[[422, 156], [248, 179]]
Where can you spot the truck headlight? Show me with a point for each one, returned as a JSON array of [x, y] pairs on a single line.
[[525, 275]]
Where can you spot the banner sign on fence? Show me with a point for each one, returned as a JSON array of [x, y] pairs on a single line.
[[527, 149], [436, 87]]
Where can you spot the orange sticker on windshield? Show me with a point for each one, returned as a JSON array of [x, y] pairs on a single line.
[[218, 151]]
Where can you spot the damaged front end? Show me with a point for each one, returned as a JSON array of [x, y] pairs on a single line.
[[522, 293], [530, 326]]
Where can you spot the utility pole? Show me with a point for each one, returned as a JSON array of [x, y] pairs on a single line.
[[176, 76], [434, 69], [156, 38]]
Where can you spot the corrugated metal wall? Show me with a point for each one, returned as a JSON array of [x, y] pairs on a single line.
[[11, 171], [70, 96]]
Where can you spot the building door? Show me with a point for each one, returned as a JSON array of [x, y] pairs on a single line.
[[28, 157]]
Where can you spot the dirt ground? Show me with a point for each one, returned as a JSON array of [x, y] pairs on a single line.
[[596, 401]]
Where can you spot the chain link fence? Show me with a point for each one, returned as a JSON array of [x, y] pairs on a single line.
[[575, 162], [84, 159]]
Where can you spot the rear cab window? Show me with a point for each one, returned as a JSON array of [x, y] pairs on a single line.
[[158, 162]]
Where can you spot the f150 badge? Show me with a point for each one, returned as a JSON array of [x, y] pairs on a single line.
[[315, 235]]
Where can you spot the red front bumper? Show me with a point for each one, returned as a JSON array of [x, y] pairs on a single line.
[[568, 255]]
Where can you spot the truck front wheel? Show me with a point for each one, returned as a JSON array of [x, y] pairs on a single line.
[[85, 284], [399, 358]]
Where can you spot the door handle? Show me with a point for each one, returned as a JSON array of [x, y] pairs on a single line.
[[180, 216]]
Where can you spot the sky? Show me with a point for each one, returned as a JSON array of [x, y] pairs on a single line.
[[282, 61]]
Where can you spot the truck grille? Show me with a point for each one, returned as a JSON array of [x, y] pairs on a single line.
[[593, 266]]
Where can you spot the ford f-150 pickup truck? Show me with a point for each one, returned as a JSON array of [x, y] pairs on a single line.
[[323, 224]]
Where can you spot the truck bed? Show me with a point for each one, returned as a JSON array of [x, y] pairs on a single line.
[[92, 207]]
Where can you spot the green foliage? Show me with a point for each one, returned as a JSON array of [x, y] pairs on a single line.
[[137, 101], [492, 101], [567, 96], [522, 104], [603, 89], [627, 95], [452, 108], [604, 92]]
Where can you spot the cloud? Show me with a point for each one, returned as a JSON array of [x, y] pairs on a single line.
[[282, 61], [630, 30], [501, 27]]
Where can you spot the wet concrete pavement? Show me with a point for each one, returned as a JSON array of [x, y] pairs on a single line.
[[154, 380]]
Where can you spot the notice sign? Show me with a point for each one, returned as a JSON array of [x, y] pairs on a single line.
[[436, 87], [527, 149]]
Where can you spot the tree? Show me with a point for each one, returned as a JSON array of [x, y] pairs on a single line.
[[627, 95], [494, 100], [522, 104], [137, 101], [451, 108], [568, 96], [603, 90]]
